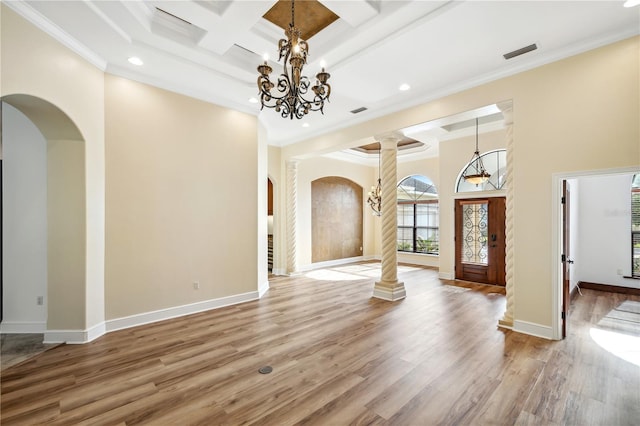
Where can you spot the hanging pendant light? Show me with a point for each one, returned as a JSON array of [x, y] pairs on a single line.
[[475, 173], [292, 86], [375, 195]]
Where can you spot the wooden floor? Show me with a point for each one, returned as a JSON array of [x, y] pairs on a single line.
[[338, 357]]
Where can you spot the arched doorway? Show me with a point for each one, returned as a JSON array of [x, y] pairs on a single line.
[[54, 243]]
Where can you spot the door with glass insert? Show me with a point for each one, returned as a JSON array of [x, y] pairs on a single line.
[[480, 241]]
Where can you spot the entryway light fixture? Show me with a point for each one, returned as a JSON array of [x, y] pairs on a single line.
[[292, 86], [375, 195], [475, 173]]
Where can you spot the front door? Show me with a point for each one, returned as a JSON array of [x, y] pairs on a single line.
[[480, 240]]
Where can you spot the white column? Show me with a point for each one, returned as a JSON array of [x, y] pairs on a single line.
[[389, 288], [507, 319], [292, 202]]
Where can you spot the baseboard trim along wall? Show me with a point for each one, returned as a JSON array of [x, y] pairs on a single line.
[[26, 327], [178, 311], [71, 337], [609, 288], [263, 288], [330, 263], [446, 275], [533, 329], [86, 336]]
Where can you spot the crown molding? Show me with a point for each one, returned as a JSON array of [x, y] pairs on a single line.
[[44, 24]]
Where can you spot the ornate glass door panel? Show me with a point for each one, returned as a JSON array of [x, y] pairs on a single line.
[[475, 224], [480, 242]]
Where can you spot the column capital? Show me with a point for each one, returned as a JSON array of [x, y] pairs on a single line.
[[506, 108], [389, 140]]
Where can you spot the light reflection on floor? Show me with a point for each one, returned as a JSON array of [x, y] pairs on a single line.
[[352, 272], [623, 346], [618, 332]]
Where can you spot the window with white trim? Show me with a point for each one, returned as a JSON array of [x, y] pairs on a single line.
[[418, 215]]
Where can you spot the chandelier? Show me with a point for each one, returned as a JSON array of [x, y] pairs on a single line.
[[475, 172], [292, 87], [375, 195]]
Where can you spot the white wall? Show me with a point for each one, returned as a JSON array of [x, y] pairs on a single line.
[[574, 231], [24, 235], [604, 226]]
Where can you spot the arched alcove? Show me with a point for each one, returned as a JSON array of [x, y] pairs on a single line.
[[336, 219], [65, 187]]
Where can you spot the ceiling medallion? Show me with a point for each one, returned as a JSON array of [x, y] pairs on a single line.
[[292, 86]]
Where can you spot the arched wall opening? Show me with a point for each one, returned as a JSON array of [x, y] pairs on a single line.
[[41, 140]]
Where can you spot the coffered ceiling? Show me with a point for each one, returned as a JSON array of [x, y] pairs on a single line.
[[210, 49]]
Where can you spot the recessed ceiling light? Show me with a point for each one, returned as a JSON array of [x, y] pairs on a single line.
[[253, 100], [404, 87], [305, 124], [631, 3], [135, 61]]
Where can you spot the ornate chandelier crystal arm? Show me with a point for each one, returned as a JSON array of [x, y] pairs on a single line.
[[292, 85]]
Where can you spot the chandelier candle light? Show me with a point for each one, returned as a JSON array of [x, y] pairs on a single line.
[[375, 195], [475, 165], [292, 85]]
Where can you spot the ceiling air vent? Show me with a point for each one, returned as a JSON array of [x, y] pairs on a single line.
[[520, 51], [357, 110]]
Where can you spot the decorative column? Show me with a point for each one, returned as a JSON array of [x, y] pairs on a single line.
[[292, 202], [507, 319], [389, 288]]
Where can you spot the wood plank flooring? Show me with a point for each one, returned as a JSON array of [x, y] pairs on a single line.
[[339, 357]]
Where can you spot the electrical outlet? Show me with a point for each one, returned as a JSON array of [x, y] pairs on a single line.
[[196, 285], [40, 300]]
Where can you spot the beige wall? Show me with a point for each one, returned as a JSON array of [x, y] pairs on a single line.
[[182, 193], [35, 64], [568, 116], [66, 246]]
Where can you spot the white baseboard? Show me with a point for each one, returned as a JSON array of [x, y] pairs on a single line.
[[72, 337], [263, 288], [178, 311], [277, 271], [330, 263], [23, 327], [96, 331], [533, 329], [446, 275]]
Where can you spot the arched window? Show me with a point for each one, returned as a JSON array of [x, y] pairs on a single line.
[[495, 163], [635, 226], [418, 218]]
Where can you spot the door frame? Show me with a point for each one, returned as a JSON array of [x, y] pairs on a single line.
[[457, 233], [556, 237], [452, 224]]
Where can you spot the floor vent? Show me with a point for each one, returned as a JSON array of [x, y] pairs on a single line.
[[520, 51], [357, 110]]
